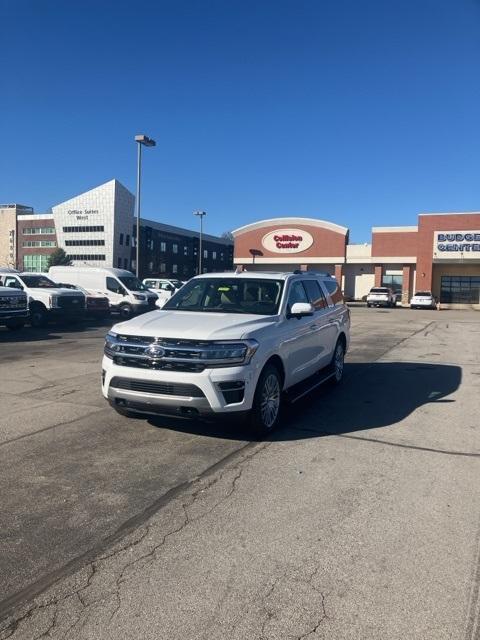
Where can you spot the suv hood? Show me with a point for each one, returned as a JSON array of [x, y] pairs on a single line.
[[11, 292], [190, 325]]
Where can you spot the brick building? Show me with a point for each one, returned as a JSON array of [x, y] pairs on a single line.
[[441, 254]]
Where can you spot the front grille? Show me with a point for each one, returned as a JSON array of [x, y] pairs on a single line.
[[13, 303], [179, 355], [71, 302], [161, 388]]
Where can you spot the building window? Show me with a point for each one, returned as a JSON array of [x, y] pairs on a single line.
[[174, 268], [87, 256], [127, 240], [84, 243], [125, 262], [214, 255], [394, 282], [88, 229], [163, 267], [119, 263], [205, 253], [163, 246], [150, 266], [185, 250], [31, 231], [121, 238], [460, 289], [175, 248], [39, 243], [35, 262], [150, 245], [185, 269], [221, 256]]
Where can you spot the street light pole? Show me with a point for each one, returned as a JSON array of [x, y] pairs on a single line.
[[141, 140], [200, 214]]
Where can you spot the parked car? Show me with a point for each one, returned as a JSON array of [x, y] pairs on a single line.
[[97, 305], [381, 297], [423, 300], [229, 344], [46, 301], [125, 293], [163, 287], [13, 308]]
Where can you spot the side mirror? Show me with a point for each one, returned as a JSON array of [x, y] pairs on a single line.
[[301, 309]]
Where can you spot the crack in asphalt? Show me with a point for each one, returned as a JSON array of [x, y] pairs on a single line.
[[205, 484]]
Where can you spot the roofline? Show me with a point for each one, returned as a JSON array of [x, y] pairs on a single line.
[[412, 229], [313, 222], [451, 213]]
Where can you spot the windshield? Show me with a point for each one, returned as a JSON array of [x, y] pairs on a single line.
[[41, 282], [228, 295], [132, 283], [423, 293]]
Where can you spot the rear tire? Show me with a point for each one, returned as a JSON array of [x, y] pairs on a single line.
[[368, 305], [337, 364], [267, 402]]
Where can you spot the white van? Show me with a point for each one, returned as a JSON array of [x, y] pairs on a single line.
[[125, 293], [163, 287]]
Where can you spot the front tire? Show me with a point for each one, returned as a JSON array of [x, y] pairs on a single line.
[[267, 402], [126, 311], [38, 316]]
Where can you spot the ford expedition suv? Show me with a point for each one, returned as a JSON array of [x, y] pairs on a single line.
[[229, 343]]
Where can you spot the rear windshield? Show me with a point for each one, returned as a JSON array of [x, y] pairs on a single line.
[[379, 290], [423, 293], [228, 295]]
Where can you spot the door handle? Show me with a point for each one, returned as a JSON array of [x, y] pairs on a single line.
[[313, 326]]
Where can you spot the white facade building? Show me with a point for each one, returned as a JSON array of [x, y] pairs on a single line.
[[95, 227]]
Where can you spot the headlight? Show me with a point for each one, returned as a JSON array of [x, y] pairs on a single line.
[[228, 353], [110, 344], [137, 297]]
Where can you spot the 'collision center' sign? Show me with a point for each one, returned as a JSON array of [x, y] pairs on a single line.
[[287, 241], [449, 244]]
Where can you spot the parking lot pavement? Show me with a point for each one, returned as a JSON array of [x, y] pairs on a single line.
[[358, 519]]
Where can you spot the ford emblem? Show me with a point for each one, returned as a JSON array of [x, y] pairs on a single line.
[[155, 351]]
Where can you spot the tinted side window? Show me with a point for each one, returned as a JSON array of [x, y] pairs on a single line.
[[315, 294], [334, 291], [113, 285], [297, 294]]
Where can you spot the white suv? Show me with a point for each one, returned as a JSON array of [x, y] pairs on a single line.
[[229, 343], [381, 297]]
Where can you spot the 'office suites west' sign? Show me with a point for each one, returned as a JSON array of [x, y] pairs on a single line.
[[456, 244]]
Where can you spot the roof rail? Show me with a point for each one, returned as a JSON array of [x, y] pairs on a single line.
[[299, 272]]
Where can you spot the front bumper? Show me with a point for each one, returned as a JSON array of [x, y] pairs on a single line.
[[70, 312], [20, 314], [210, 400]]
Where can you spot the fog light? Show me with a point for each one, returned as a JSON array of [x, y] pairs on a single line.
[[232, 391]]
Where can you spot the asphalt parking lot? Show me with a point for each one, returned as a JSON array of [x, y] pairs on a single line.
[[357, 519]]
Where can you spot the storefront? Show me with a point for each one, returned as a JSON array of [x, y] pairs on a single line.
[[441, 254]]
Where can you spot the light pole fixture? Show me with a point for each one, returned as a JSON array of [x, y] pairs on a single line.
[[200, 214], [142, 141]]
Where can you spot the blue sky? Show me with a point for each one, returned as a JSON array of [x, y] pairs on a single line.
[[360, 112]]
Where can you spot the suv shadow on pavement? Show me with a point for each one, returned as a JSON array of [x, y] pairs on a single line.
[[372, 395]]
